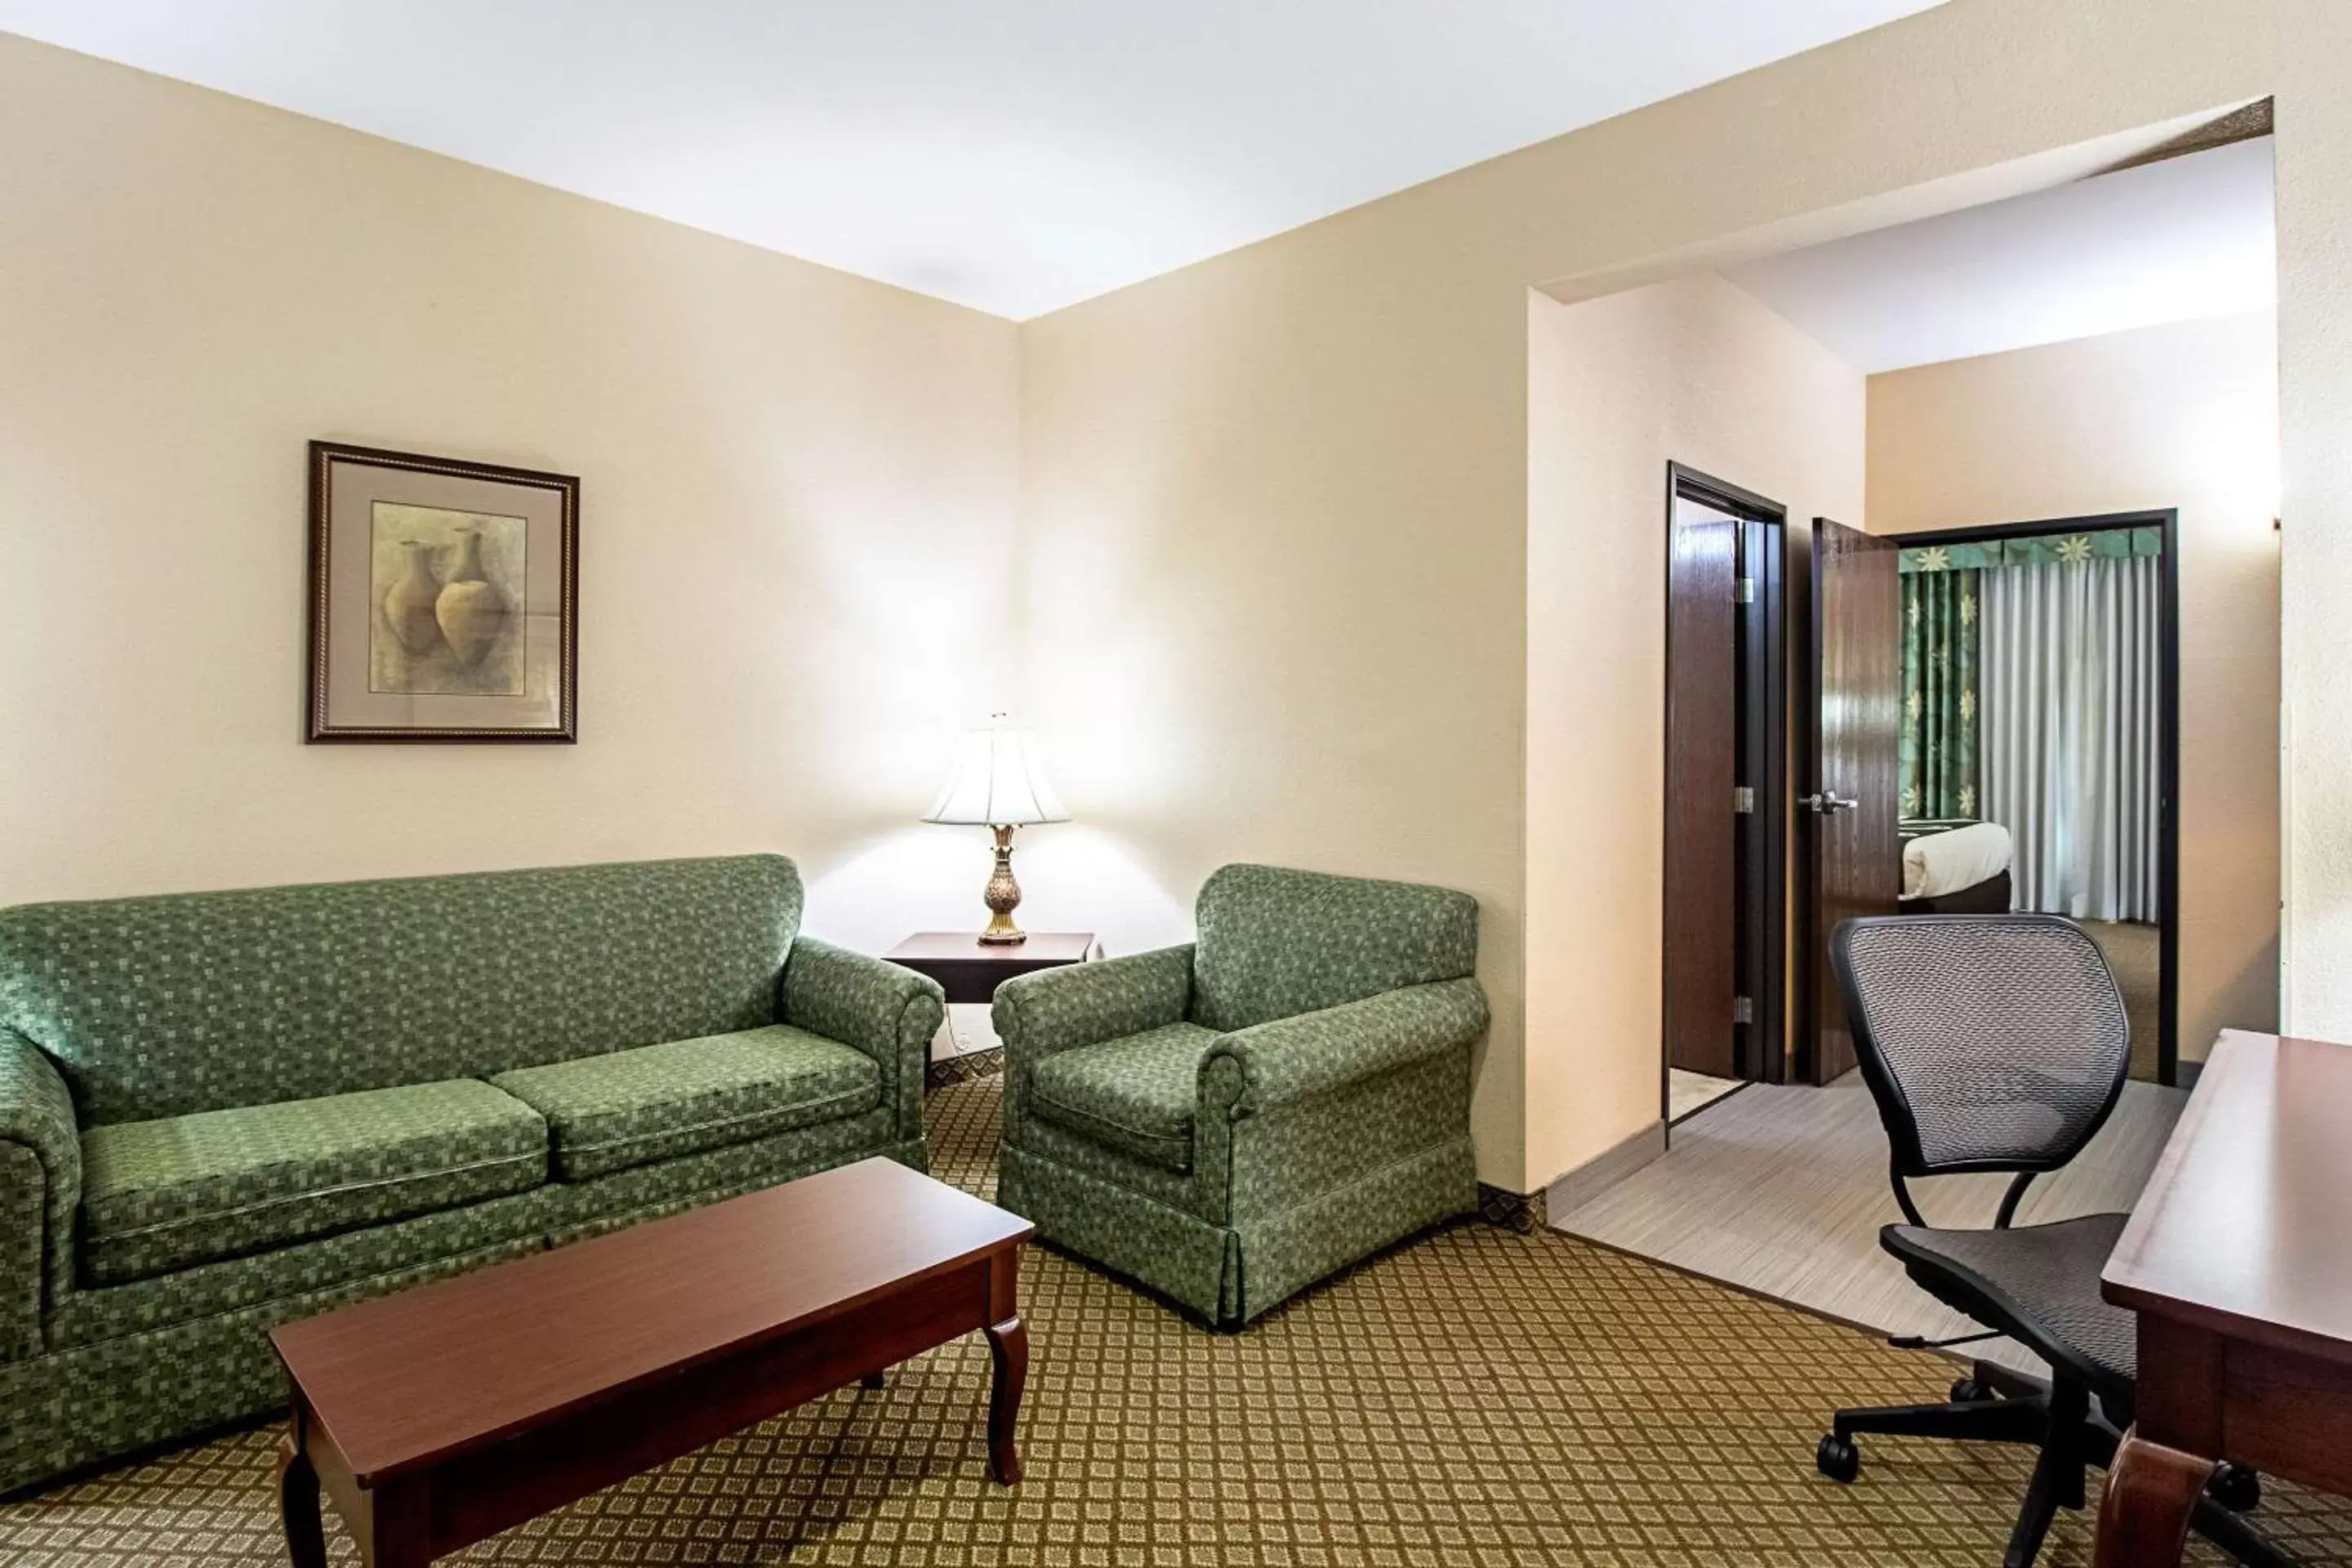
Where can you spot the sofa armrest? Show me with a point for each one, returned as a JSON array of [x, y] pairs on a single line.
[[40, 1186], [889, 1013], [1080, 1004], [1291, 1059]]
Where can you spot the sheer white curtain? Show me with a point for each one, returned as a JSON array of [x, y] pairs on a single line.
[[2068, 693]]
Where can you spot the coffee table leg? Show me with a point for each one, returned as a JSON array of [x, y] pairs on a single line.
[[871, 1380], [1008, 1342], [298, 1500]]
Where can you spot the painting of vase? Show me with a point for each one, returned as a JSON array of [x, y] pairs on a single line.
[[469, 610], [408, 609], [444, 585]]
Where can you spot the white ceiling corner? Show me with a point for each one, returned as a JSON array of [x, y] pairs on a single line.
[[1017, 156]]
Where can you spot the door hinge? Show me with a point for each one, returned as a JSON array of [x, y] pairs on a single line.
[[1743, 1010], [1743, 592], [1743, 798]]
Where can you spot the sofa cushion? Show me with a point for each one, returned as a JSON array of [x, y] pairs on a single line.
[[630, 1108], [163, 1194], [183, 1002], [1137, 1093]]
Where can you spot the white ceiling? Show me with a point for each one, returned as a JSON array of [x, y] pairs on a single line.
[[1017, 155], [2188, 238]]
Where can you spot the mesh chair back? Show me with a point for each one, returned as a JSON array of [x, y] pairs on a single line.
[[1990, 1042]]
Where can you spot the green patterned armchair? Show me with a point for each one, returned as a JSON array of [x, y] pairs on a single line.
[[1230, 1121], [222, 1111]]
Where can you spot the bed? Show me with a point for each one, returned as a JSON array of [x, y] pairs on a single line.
[[1955, 868]]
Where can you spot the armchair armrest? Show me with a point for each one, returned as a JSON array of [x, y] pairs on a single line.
[[40, 1186], [1290, 1059], [887, 1012], [1080, 1004]]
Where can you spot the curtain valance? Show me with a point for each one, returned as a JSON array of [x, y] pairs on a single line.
[[2098, 544]]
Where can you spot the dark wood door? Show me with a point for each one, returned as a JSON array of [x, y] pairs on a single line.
[[1702, 889], [1846, 808]]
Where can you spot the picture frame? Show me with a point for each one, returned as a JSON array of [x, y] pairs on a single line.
[[443, 601]]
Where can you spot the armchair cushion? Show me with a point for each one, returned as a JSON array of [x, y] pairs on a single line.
[[631, 1108], [160, 1196], [1276, 942], [1137, 1093]]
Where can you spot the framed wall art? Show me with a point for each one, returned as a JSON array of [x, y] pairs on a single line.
[[443, 599]]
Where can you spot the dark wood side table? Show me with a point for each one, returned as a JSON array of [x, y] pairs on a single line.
[[2238, 1260], [970, 970]]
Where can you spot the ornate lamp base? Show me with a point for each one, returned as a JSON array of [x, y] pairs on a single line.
[[1003, 896]]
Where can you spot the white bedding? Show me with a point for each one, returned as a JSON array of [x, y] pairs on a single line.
[[1941, 863]]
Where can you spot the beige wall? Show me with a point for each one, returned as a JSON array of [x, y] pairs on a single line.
[[798, 498], [1274, 580], [1267, 591], [2182, 416], [2315, 318], [1694, 372]]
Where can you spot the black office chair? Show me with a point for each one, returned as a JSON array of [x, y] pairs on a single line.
[[1999, 1043]]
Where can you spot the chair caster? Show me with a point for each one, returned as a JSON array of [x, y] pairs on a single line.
[[1968, 1391], [2236, 1488], [1838, 1458]]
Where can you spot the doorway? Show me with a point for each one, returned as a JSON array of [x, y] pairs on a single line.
[[2052, 714], [1725, 852], [1993, 723]]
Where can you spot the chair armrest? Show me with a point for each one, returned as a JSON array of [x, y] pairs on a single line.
[[1080, 1004], [40, 1186], [1290, 1059], [887, 1012]]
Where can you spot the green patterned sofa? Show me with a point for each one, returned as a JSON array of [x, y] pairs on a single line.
[[1230, 1121], [222, 1111]]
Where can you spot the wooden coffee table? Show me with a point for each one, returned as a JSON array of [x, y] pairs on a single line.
[[444, 1414]]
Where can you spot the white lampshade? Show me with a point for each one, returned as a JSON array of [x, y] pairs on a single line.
[[997, 782]]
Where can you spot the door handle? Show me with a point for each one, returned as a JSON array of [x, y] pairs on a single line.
[[1829, 803]]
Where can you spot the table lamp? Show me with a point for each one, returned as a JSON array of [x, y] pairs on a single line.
[[998, 783]]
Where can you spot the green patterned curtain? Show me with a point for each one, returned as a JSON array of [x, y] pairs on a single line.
[[1940, 691], [1942, 594]]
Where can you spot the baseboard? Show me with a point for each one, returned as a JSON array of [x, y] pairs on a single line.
[[1604, 1171], [1522, 1212], [946, 1071]]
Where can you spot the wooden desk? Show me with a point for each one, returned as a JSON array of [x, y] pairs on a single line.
[[2238, 1260]]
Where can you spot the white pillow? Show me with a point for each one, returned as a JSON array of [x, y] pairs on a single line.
[[1940, 863]]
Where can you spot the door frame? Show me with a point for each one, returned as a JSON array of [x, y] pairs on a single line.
[[2168, 732], [1762, 709]]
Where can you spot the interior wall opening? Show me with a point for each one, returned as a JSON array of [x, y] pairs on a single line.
[[2065, 401]]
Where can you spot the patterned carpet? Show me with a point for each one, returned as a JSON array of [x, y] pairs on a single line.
[[1475, 1397]]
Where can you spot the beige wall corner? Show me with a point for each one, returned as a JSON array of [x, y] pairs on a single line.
[[2314, 319], [1273, 576], [798, 499], [1694, 372], [2181, 416]]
